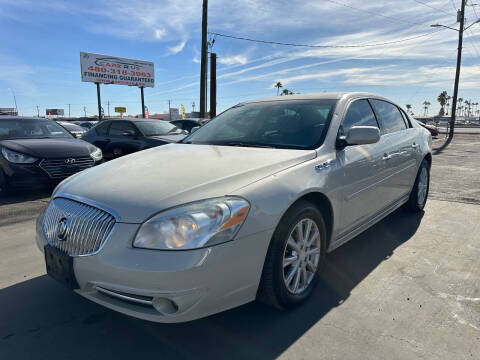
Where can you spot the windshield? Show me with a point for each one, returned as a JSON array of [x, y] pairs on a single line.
[[159, 127], [31, 129], [295, 124]]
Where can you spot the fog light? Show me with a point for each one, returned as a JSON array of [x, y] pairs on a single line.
[[165, 306]]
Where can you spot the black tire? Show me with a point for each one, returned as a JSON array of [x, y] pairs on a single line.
[[415, 204], [272, 290]]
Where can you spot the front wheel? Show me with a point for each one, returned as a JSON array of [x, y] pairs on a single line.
[[419, 194], [296, 254]]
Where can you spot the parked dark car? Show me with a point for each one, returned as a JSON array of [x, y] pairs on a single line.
[[433, 129], [118, 137], [74, 129], [86, 124], [38, 151], [186, 124]]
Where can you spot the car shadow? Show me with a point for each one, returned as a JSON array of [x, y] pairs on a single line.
[[441, 148], [41, 319], [16, 196]]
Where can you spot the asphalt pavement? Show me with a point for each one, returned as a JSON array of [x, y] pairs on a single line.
[[407, 288]]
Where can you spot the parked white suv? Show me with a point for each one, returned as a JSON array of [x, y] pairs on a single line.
[[246, 208]]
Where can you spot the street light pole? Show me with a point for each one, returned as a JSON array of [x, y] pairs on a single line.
[[457, 73], [203, 60]]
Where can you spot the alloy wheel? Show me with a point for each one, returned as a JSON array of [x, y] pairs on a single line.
[[301, 256], [422, 186]]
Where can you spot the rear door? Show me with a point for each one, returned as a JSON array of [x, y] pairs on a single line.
[[399, 155], [98, 135], [120, 143], [363, 171]]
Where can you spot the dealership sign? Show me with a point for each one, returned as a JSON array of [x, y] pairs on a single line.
[[120, 109], [50, 112], [114, 70]]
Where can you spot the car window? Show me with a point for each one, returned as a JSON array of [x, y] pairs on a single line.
[[31, 129], [389, 116], [296, 124], [101, 129], [157, 127], [359, 113], [118, 128]]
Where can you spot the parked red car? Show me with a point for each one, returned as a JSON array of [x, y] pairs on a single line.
[[433, 129]]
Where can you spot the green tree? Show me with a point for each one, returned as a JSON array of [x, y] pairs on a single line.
[[442, 99], [278, 85], [409, 109], [426, 104], [286, 92]]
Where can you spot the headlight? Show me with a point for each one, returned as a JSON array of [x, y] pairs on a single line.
[[16, 157], [96, 154], [193, 226]]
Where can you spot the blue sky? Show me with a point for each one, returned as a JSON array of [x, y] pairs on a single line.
[[41, 41]]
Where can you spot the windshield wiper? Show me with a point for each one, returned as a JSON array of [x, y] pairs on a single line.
[[245, 144]]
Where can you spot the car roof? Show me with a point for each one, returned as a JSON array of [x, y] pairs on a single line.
[[129, 119], [317, 96], [9, 117]]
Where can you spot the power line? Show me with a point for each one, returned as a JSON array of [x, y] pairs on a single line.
[[433, 7], [374, 13], [325, 46], [453, 4]]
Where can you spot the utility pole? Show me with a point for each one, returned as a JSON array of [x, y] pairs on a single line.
[[457, 73], [38, 111], [213, 85], [193, 106], [85, 111], [108, 108], [69, 110], [203, 65], [169, 111]]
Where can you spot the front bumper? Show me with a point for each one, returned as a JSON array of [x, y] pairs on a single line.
[[170, 286]]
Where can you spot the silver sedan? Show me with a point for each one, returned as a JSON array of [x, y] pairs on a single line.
[[246, 208]]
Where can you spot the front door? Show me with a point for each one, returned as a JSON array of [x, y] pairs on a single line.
[[363, 171]]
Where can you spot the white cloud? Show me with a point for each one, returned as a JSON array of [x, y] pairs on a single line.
[[233, 60], [177, 48], [159, 33]]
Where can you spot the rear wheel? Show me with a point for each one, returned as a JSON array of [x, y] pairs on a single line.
[[295, 256], [419, 194]]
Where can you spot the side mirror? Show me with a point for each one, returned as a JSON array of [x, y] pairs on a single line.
[[360, 135], [195, 128], [129, 133]]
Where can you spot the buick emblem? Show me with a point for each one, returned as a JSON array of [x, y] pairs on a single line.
[[70, 161], [62, 228]]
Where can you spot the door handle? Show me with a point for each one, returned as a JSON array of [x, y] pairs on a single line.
[[386, 157], [107, 140]]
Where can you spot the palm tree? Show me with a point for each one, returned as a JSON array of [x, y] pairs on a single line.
[[442, 99], [278, 85], [460, 107], [448, 103], [426, 104], [286, 92], [409, 109], [467, 108]]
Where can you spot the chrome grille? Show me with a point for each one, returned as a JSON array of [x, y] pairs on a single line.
[[59, 168], [87, 227]]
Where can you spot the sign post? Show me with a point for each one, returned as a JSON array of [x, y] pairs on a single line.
[[143, 102], [99, 102]]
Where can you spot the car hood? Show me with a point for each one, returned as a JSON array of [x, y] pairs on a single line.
[[169, 138], [50, 148], [141, 184]]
